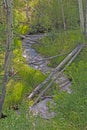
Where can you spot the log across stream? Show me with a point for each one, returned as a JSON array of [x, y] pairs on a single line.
[[38, 62]]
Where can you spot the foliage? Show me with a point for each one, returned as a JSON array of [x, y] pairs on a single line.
[[21, 27], [47, 15]]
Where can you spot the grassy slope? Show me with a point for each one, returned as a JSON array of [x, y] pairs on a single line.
[[70, 109]]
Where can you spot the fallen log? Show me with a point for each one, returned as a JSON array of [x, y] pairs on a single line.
[[48, 58], [41, 94], [75, 56], [49, 85], [69, 57]]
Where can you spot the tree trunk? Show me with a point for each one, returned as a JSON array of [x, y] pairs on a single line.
[[63, 16], [27, 10], [81, 15], [86, 20], [8, 55]]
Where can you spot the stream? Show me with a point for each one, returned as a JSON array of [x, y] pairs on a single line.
[[36, 61]]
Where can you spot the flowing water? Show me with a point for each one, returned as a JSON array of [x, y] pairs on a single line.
[[37, 61]]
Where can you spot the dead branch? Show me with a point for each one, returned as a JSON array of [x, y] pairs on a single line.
[[12, 76], [48, 58]]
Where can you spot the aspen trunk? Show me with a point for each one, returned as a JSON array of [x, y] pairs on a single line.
[[27, 10], [63, 16], [8, 55], [81, 15], [86, 20]]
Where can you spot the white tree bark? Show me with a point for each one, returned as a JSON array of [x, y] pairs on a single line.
[[81, 15]]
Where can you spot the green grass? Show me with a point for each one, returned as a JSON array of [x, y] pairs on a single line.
[[59, 43], [26, 80], [70, 109]]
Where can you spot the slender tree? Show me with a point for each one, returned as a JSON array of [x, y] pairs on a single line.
[[7, 5], [81, 15], [86, 20], [27, 10], [63, 15]]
